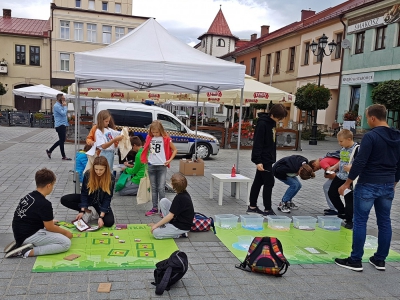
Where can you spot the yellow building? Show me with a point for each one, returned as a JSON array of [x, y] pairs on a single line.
[[24, 58], [83, 25]]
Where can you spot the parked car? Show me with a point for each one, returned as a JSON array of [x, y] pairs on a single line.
[[138, 117], [180, 114]]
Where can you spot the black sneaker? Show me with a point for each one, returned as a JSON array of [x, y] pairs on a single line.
[[269, 213], [255, 210], [378, 264], [349, 225], [330, 212], [284, 207], [348, 263], [48, 154], [10, 246], [19, 252], [292, 205]]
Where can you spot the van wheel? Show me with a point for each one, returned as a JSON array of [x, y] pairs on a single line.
[[203, 151]]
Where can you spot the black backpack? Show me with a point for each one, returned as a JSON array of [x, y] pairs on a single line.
[[169, 271], [265, 255], [335, 154]]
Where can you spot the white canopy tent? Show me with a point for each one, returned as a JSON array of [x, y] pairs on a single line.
[[37, 92], [190, 103], [149, 58]]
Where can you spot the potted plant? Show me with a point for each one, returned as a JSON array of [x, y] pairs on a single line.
[[349, 120]]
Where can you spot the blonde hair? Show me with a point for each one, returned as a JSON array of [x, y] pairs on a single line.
[[102, 182], [345, 133], [306, 172], [157, 125], [103, 115]]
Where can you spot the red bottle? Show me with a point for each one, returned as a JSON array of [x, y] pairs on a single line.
[[233, 172]]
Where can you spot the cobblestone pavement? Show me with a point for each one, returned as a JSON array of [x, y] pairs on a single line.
[[212, 274]]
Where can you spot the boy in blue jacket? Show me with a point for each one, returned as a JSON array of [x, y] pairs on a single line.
[[81, 161]]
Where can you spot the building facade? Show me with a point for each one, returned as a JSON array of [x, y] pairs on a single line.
[[372, 55], [84, 25], [24, 58]]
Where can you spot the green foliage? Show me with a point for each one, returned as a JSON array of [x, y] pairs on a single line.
[[38, 116], [310, 96], [306, 134], [388, 94], [2, 89], [65, 89]]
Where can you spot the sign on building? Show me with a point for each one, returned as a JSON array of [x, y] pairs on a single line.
[[358, 78]]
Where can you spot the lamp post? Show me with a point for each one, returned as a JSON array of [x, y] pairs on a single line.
[[318, 49], [300, 129]]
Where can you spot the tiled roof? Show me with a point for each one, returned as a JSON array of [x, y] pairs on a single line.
[[325, 15], [219, 27], [21, 26], [241, 43]]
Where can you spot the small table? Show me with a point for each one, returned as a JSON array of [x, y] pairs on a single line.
[[227, 178]]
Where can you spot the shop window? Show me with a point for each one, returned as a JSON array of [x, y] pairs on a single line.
[[355, 98]]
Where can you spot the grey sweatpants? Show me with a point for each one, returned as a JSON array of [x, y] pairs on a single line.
[[167, 230], [130, 189], [47, 242]]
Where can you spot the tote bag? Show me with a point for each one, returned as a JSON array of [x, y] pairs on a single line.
[[144, 191]]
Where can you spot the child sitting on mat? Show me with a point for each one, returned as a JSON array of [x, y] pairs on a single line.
[[33, 224], [178, 214]]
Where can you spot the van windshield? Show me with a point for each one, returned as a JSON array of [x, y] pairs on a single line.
[[131, 118], [170, 124]]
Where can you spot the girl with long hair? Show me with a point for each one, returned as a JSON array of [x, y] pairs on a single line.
[[97, 191], [106, 136], [158, 152]]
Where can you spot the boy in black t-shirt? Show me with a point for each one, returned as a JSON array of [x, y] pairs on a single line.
[[178, 214], [33, 224]]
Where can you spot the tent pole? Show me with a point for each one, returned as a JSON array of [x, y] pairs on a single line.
[[76, 140], [195, 118], [233, 184]]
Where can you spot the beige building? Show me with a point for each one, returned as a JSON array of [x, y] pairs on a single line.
[[24, 59], [83, 25]]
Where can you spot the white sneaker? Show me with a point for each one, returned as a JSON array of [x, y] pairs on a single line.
[[292, 205], [283, 207]]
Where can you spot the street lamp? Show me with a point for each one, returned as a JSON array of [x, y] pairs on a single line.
[[300, 129], [318, 49]]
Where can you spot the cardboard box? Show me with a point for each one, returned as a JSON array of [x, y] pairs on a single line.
[[190, 168]]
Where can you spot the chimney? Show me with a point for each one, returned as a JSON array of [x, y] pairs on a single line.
[[6, 13], [264, 30], [306, 14], [253, 36]]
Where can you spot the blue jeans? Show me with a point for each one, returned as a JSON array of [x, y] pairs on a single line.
[[157, 176], [109, 155], [294, 186], [380, 196]]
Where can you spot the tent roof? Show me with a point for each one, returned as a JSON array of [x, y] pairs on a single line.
[[191, 103], [37, 92], [150, 58]]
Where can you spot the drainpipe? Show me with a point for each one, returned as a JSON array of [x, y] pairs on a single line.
[[51, 50], [341, 67]]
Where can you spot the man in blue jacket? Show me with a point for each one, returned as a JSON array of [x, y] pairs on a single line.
[[263, 156], [377, 166], [60, 122]]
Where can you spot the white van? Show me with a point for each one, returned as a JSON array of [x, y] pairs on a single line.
[[138, 116]]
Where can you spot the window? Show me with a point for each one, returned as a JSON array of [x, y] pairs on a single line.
[[91, 33], [118, 8], [169, 123], [20, 55], [220, 109], [91, 4], [268, 65], [78, 3], [277, 61], [34, 56], [355, 98], [292, 51], [360, 42], [306, 53], [131, 118], [338, 51], [64, 30], [104, 6], [253, 66], [220, 43], [64, 57], [119, 32], [380, 38], [106, 34], [78, 29]]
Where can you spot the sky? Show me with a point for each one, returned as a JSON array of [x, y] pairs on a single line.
[[188, 19]]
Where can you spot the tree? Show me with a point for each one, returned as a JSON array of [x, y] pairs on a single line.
[[388, 94], [2, 89], [310, 95], [65, 89]]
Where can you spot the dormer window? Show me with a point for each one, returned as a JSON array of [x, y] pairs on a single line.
[[220, 43]]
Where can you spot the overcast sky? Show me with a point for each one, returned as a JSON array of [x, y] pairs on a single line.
[[188, 19]]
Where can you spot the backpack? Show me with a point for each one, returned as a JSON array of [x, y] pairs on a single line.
[[169, 271], [202, 223], [335, 154], [265, 255]]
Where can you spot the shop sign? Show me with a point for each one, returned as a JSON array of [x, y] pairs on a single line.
[[358, 78]]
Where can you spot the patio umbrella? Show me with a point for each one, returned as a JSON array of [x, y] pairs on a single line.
[[37, 92]]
